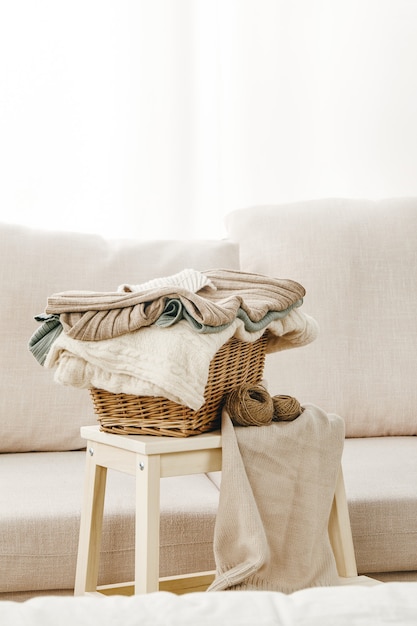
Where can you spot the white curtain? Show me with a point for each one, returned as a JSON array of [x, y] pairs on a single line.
[[154, 118]]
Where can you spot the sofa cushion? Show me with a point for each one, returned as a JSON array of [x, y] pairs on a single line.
[[35, 412], [358, 262], [40, 507], [381, 490], [382, 496]]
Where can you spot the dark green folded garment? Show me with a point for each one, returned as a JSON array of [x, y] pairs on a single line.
[[172, 313], [43, 338]]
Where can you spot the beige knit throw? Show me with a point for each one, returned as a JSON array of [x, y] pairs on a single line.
[[276, 494]]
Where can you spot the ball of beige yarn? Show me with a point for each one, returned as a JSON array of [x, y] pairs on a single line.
[[249, 405], [286, 408]]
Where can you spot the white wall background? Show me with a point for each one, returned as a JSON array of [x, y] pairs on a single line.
[[154, 118]]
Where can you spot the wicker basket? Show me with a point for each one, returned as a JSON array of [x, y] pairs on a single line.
[[235, 363]]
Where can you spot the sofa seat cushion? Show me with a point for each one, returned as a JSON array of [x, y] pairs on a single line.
[[357, 260], [37, 414], [380, 475], [40, 504], [381, 485]]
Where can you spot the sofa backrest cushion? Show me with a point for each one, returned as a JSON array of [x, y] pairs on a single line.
[[35, 412], [358, 262]]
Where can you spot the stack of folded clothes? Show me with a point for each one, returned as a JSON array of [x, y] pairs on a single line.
[[158, 338]]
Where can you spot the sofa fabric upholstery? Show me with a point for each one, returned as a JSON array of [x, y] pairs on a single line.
[[380, 475], [357, 260], [36, 413], [381, 485], [41, 465], [39, 530]]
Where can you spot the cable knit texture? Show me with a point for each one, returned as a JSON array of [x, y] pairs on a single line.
[[154, 361]]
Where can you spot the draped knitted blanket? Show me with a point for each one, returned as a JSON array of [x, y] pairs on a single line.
[[276, 494], [155, 361], [92, 316]]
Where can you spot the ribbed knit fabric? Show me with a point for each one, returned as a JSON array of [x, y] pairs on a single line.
[[276, 494], [94, 316]]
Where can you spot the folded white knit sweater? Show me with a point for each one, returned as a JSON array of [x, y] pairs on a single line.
[[169, 362]]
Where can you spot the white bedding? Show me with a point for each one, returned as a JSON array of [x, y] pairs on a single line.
[[391, 603]]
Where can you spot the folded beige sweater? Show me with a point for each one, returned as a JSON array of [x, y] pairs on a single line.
[[92, 316], [276, 494]]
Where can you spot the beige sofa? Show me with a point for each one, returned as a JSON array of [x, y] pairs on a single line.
[[357, 261]]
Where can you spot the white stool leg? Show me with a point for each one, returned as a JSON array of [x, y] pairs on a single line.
[[340, 532], [91, 525], [148, 475]]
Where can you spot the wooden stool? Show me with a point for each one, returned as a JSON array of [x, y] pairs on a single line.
[[151, 458]]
